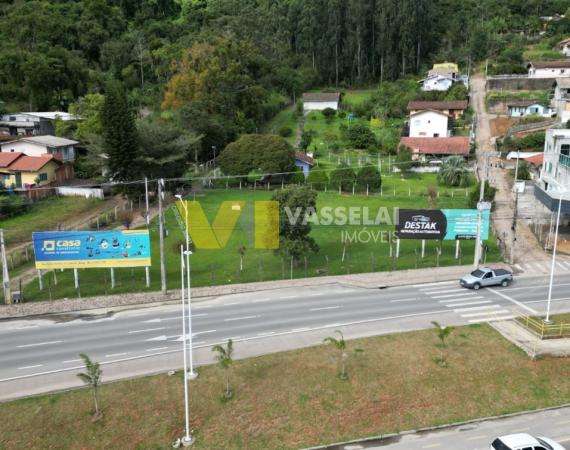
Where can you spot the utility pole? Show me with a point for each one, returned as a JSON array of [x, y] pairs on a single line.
[[146, 201], [484, 175], [514, 226], [161, 232], [5, 274]]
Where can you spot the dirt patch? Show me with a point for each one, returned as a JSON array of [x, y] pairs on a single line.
[[500, 125]]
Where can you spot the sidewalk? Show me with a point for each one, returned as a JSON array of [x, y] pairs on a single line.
[[377, 280]]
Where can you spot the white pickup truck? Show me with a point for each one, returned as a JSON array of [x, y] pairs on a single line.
[[485, 276]]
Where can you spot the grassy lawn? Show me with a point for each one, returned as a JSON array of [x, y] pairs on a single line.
[[45, 215], [292, 400], [215, 267], [285, 118], [558, 328]]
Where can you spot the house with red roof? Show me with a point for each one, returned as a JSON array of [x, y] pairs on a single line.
[[426, 147], [23, 171]]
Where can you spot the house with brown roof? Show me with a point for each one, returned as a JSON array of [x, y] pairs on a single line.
[[304, 162], [549, 69], [453, 108], [23, 171], [426, 147], [317, 101]]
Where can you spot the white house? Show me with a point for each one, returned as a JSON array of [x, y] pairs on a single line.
[[555, 170], [32, 123], [436, 83], [549, 69], [41, 145], [523, 108], [564, 46], [561, 99], [428, 123], [317, 101]]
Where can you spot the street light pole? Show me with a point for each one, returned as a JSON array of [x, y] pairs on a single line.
[[187, 439], [547, 319]]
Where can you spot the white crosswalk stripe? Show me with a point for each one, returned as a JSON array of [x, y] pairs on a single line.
[[478, 302], [453, 295], [451, 300], [491, 319], [486, 313], [476, 308]]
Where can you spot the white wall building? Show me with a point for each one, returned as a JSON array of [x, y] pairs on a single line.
[[436, 83], [317, 101], [40, 145], [549, 69], [561, 99], [428, 123], [555, 170], [564, 47], [32, 123]]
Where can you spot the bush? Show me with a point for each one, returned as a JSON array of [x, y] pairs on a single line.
[[285, 132], [360, 136], [344, 177], [342, 114], [318, 179], [488, 194], [328, 114], [12, 205], [306, 139], [369, 176], [404, 160], [297, 177]]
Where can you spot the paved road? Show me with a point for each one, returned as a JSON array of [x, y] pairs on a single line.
[[37, 350], [554, 424]]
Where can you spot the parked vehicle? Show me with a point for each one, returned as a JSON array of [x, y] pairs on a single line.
[[523, 441], [485, 276]]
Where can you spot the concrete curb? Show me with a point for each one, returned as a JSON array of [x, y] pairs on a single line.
[[118, 302], [373, 440]]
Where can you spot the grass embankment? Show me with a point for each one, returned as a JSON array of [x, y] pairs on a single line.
[[293, 400], [215, 267], [45, 215]]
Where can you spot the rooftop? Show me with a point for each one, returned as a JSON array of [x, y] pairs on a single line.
[[52, 115], [455, 145], [437, 105], [564, 83], [48, 141], [31, 163], [556, 64], [305, 158], [7, 158], [523, 102], [321, 97]]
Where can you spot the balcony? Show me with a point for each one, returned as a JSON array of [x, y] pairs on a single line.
[[564, 160]]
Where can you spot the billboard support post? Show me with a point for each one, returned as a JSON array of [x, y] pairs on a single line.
[[457, 249], [5, 274], [147, 276], [397, 248], [423, 248], [112, 278], [40, 280], [76, 278]]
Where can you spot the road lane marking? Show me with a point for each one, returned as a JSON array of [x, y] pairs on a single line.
[[30, 367], [240, 318], [451, 300], [289, 296], [445, 292], [476, 308], [262, 300], [233, 338], [315, 295], [114, 355], [453, 295], [146, 330], [297, 330], [267, 333], [516, 302], [553, 300], [231, 304], [476, 302], [156, 349], [439, 283], [491, 319], [479, 314], [39, 344], [69, 361], [474, 438], [325, 308], [432, 445], [404, 300]]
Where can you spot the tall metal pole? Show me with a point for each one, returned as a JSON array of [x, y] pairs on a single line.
[[5, 274], [477, 256], [187, 438], [146, 201], [161, 232], [553, 260], [514, 227]]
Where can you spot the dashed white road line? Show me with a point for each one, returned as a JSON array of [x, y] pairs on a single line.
[[267, 333], [156, 349], [474, 438], [404, 300], [315, 295], [146, 330], [30, 367], [39, 344], [289, 296], [114, 355], [325, 308], [70, 361], [240, 318], [231, 304]]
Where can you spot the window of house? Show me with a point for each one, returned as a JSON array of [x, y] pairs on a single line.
[[43, 176], [565, 149], [417, 122]]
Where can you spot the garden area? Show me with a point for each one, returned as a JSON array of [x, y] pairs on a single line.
[[296, 399]]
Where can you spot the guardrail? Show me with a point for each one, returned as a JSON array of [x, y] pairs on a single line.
[[544, 330]]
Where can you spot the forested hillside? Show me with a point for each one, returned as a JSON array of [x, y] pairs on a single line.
[[223, 67]]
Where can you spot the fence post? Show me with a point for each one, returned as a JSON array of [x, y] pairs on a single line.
[[40, 280]]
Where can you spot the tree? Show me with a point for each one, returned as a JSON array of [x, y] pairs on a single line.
[[360, 136], [89, 109], [224, 356], [368, 177], [297, 176], [340, 344], [262, 152], [318, 179], [525, 170], [454, 172], [488, 194], [120, 141], [296, 204], [344, 177], [442, 333], [306, 139], [328, 114], [404, 160], [92, 378]]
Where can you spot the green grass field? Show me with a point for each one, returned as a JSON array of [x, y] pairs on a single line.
[[293, 400], [215, 267]]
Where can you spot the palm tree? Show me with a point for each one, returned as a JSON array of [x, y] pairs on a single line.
[[224, 357], [442, 333], [340, 345], [454, 172], [92, 377]]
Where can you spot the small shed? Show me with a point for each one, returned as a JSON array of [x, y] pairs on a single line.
[[317, 101], [523, 108], [305, 162]]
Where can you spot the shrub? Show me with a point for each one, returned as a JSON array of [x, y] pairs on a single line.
[[344, 177], [318, 179], [285, 132], [297, 177], [328, 114], [369, 176], [488, 194], [360, 136]]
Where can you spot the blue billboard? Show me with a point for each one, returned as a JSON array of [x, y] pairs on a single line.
[[90, 249], [441, 224]]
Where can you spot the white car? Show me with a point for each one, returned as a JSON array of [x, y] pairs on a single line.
[[523, 441]]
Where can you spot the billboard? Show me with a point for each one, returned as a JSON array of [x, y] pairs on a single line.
[[441, 224], [91, 249]]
